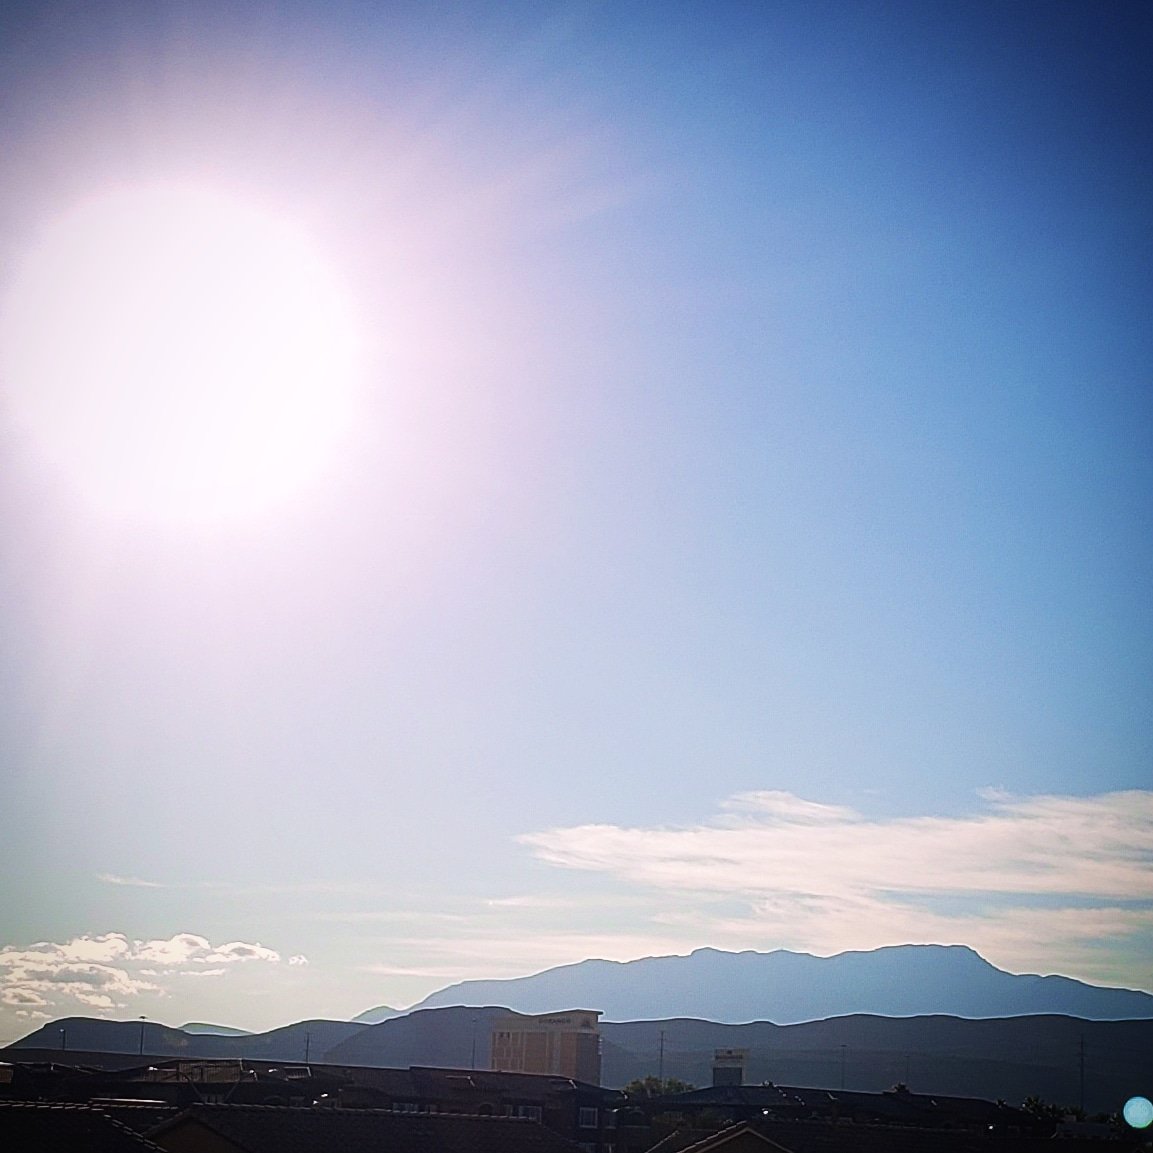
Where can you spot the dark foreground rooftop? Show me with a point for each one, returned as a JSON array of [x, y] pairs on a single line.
[[34, 1127], [279, 1129]]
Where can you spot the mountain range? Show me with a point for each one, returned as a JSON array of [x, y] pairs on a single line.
[[787, 988], [1059, 1058], [940, 1018]]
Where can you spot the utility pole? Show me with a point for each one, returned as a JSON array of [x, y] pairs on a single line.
[[661, 1061], [307, 1046], [472, 1058], [1081, 1070], [141, 1050]]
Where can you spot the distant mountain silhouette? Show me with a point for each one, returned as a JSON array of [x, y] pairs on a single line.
[[219, 1030], [786, 988], [150, 1039], [995, 1057], [1008, 1058], [380, 1013], [938, 1017], [454, 1037]]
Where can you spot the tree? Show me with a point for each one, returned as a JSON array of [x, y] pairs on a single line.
[[645, 1088], [1046, 1111]]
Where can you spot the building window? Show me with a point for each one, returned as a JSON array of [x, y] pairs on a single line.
[[587, 1117], [532, 1112]]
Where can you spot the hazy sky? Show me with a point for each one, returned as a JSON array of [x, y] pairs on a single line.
[[738, 533]]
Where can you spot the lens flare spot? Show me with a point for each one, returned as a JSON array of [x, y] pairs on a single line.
[[179, 353], [1138, 1112]]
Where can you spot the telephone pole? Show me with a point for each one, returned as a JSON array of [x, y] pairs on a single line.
[[1081, 1070]]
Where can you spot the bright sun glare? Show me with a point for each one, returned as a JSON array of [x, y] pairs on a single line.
[[179, 353]]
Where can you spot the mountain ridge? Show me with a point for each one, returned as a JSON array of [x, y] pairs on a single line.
[[378, 1013], [1052, 1056], [789, 987], [711, 985]]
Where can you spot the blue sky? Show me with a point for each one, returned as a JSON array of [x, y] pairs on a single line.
[[751, 467]]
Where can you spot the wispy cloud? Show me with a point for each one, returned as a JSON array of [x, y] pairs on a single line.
[[536, 901], [485, 954], [772, 842], [131, 882], [388, 917], [439, 972], [295, 889], [1033, 882]]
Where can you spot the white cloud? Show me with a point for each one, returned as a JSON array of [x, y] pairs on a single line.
[[103, 949], [186, 948], [176, 950], [104, 971], [24, 998], [96, 1000], [238, 951]]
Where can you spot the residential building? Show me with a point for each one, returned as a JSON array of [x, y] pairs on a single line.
[[145, 1096]]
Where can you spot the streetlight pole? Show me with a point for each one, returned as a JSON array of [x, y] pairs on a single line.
[[63, 1040], [844, 1051], [661, 1061], [141, 1049]]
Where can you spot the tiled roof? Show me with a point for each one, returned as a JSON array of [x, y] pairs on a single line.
[[743, 1136], [138, 1116], [426, 1079], [826, 1137], [277, 1129], [896, 1106], [679, 1139], [36, 1127]]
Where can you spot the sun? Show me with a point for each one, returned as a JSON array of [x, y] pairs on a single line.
[[180, 353]]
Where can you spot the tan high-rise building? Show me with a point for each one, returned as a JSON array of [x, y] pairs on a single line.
[[566, 1044]]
